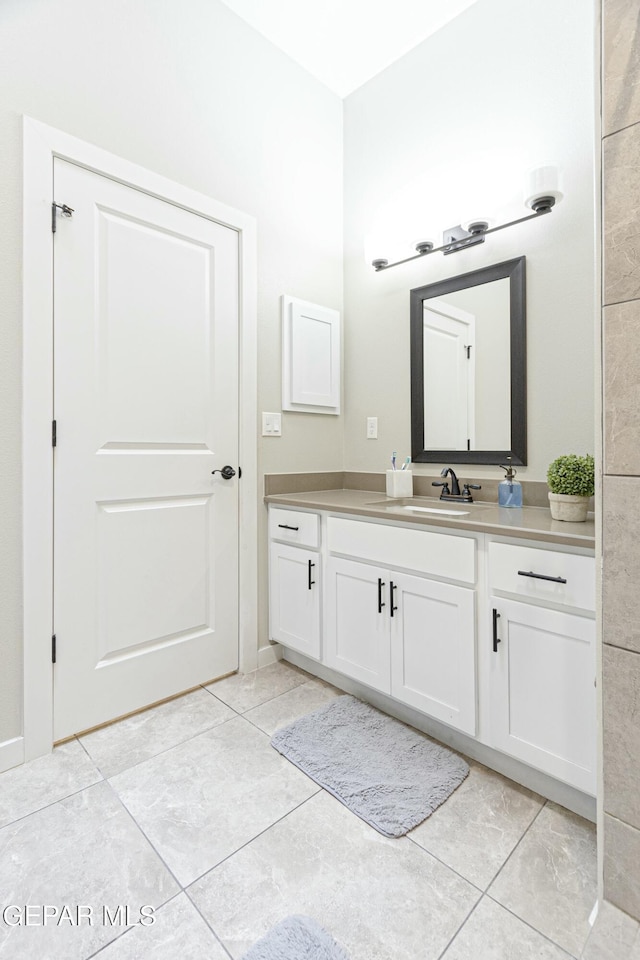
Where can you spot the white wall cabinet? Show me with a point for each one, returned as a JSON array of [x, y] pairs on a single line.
[[310, 357]]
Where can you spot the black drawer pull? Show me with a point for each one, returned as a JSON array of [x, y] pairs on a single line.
[[285, 526], [310, 582], [392, 586], [540, 576], [496, 638], [380, 602]]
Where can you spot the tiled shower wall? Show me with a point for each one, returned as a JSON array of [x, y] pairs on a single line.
[[621, 482]]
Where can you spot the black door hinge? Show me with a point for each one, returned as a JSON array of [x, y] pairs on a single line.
[[53, 648], [64, 210], [239, 472], [54, 433]]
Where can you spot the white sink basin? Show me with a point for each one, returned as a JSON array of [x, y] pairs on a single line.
[[421, 505], [441, 510]]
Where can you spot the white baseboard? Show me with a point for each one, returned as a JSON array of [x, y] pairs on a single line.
[[562, 793], [11, 753], [270, 654]]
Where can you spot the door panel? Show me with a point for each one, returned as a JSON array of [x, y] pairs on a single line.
[[146, 401], [166, 598], [151, 323]]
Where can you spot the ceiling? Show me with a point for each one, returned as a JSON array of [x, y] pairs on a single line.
[[346, 42]]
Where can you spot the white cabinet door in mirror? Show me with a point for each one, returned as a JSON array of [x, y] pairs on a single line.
[[310, 357]]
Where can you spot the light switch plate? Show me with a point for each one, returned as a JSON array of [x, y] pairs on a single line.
[[372, 428], [271, 424]]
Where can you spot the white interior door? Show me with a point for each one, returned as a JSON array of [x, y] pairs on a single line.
[[146, 404], [449, 377]]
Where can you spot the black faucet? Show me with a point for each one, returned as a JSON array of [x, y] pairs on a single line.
[[454, 493]]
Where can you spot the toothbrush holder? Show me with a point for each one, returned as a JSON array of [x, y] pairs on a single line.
[[399, 483]]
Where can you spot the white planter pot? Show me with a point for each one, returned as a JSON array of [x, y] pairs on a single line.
[[563, 506]]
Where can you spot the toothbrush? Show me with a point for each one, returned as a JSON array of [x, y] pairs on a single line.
[[393, 460], [406, 463]]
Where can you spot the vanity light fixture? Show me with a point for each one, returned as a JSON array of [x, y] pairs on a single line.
[[541, 196]]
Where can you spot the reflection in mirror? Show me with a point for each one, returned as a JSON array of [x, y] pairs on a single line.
[[468, 367]]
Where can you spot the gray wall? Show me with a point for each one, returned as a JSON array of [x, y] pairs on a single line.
[[621, 481], [188, 90], [448, 133]]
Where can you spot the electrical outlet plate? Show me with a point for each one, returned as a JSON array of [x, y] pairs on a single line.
[[372, 428], [271, 424]]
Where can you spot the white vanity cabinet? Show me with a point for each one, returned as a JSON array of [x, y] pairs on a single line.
[[356, 621], [433, 650], [492, 636], [294, 580], [404, 634], [543, 660]]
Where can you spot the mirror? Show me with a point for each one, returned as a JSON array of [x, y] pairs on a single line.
[[468, 367]]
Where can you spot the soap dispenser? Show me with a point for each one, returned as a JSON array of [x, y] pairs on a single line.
[[509, 490]]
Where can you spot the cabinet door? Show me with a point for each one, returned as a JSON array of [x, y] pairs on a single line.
[[543, 698], [294, 598], [433, 649], [357, 621]]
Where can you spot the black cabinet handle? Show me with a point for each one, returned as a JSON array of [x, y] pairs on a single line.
[[285, 526], [310, 582], [540, 576], [496, 638], [392, 586], [380, 602]]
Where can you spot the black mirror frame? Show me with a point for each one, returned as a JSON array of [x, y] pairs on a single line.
[[515, 270]]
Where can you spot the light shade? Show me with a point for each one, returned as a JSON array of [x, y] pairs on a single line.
[[542, 182]]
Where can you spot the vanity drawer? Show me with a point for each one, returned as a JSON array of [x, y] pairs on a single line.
[[522, 571], [294, 526], [441, 555]]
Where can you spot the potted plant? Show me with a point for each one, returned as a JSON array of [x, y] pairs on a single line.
[[571, 482]]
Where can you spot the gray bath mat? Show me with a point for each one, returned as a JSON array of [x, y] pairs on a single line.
[[385, 772], [296, 938]]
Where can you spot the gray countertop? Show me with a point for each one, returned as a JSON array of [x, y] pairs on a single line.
[[530, 523]]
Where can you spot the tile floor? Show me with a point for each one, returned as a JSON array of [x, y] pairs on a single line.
[[187, 809]]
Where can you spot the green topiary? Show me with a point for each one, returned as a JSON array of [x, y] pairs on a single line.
[[572, 475]]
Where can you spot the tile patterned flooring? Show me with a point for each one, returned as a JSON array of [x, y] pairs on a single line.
[[186, 808]]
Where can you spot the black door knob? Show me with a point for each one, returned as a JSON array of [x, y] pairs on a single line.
[[227, 472]]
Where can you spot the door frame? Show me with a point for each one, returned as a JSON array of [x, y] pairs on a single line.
[[42, 144]]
